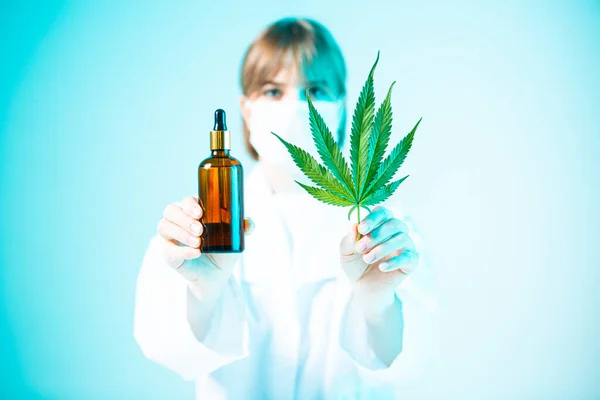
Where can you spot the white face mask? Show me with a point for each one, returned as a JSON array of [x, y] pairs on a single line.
[[290, 120]]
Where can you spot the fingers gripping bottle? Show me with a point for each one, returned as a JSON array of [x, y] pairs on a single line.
[[221, 194]]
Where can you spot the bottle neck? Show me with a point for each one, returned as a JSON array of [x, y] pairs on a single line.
[[220, 153]]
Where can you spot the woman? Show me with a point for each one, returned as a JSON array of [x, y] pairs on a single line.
[[305, 311]]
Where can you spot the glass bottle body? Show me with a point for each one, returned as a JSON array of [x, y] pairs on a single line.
[[221, 196]]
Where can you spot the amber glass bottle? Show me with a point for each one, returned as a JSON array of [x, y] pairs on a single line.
[[221, 194]]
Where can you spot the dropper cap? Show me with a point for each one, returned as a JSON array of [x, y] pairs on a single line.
[[220, 137]]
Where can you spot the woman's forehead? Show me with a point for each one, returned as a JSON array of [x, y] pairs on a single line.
[[286, 76], [290, 75]]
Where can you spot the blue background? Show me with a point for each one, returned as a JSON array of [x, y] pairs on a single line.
[[105, 109]]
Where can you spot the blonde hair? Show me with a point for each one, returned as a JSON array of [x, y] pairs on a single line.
[[290, 42]]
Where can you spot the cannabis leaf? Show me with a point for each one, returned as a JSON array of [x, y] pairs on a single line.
[[367, 181]]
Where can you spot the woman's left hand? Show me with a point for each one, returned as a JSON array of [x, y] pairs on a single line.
[[381, 259]]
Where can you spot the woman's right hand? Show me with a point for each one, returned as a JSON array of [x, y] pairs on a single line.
[[180, 231]]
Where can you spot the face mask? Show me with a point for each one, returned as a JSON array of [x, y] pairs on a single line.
[[290, 120]]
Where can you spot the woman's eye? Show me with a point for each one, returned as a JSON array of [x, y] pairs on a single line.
[[315, 91], [272, 93], [319, 93]]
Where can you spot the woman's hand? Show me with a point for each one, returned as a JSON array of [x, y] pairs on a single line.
[[380, 260], [180, 230]]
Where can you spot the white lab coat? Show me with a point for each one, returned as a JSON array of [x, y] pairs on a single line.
[[286, 326]]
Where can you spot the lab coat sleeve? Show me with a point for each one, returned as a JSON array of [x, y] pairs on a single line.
[[420, 346], [161, 326]]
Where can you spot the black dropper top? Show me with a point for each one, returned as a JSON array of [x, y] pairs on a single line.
[[220, 123]]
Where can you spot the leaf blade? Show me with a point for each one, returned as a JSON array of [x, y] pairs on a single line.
[[392, 162], [330, 153], [325, 196], [384, 192], [382, 129], [362, 121], [315, 171]]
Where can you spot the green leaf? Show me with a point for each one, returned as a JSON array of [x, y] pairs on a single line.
[[362, 121], [384, 192], [391, 163], [328, 149], [325, 196], [382, 128], [365, 183], [315, 171]]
